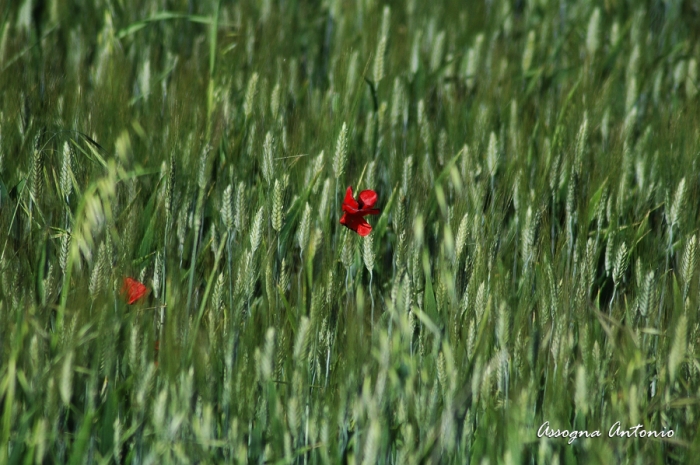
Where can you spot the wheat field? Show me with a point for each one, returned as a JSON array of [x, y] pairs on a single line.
[[530, 279]]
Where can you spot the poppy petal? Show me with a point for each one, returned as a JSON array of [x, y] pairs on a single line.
[[350, 205], [133, 290], [363, 228], [355, 210], [356, 223], [367, 199]]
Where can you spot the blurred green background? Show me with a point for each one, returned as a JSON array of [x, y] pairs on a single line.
[[534, 259]]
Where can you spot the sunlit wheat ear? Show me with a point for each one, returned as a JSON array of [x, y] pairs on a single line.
[[315, 240], [677, 208], [570, 207], [157, 274], [251, 138], [144, 79], [66, 384], [268, 356], [529, 51], [239, 218], [250, 275], [414, 63], [371, 175], [610, 243], [502, 326], [203, 172], [37, 175], [424, 126], [182, 225], [214, 239], [605, 126], [97, 277], [629, 123], [283, 281], [268, 167], [134, 348], [620, 265], [347, 254], [293, 73], [593, 33], [368, 253], [528, 240], [688, 264], [473, 61], [646, 297], [325, 198], [631, 96], [691, 79], [441, 146], [251, 90], [480, 301], [302, 340], [581, 142], [679, 74], [437, 49], [65, 249], [378, 69], [275, 101], [513, 131], [373, 441], [294, 415], [368, 132], [340, 152], [351, 76], [256, 230], [461, 241], [590, 260], [581, 393], [486, 385], [316, 169], [66, 182], [227, 208], [678, 347], [277, 206], [397, 101], [304, 229], [407, 175], [492, 155]]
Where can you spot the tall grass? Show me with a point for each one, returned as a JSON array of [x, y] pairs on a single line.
[[534, 259]]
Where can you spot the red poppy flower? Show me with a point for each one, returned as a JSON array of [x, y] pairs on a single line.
[[355, 210], [133, 290]]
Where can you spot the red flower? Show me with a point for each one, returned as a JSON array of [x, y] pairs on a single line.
[[133, 290], [355, 210]]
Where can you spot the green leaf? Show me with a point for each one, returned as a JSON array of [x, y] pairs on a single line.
[[81, 442], [384, 218], [426, 320], [161, 16], [291, 216], [595, 200]]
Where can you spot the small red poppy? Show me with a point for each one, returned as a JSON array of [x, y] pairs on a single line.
[[355, 210], [133, 290]]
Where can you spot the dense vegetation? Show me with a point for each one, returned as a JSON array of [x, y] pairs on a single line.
[[534, 259]]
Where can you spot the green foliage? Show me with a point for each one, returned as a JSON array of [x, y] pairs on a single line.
[[534, 259]]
